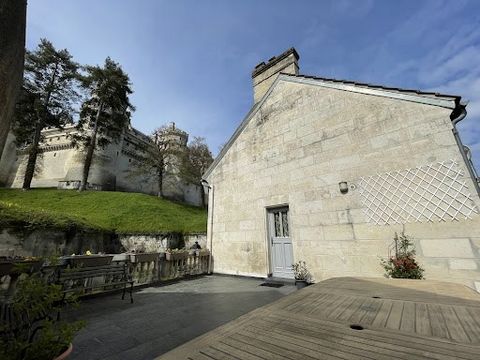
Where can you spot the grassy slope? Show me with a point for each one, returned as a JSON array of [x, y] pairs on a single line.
[[111, 211]]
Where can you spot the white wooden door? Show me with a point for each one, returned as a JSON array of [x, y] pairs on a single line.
[[280, 243]]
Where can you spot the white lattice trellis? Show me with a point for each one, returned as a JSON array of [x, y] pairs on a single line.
[[434, 192]]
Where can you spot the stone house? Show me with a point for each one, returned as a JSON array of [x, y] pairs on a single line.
[[326, 171]]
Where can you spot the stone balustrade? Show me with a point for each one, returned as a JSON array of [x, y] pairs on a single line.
[[145, 268]]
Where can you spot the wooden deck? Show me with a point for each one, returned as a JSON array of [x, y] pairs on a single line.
[[401, 319]]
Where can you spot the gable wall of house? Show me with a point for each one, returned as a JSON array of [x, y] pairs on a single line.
[[296, 149]]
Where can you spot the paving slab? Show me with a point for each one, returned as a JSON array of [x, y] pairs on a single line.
[[164, 317]]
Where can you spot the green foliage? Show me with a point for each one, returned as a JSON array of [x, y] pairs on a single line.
[[48, 96], [196, 161], [129, 213], [301, 272], [105, 113], [403, 265], [37, 335], [107, 109]]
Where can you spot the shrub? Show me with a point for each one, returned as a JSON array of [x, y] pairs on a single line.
[[301, 272], [403, 265], [36, 332]]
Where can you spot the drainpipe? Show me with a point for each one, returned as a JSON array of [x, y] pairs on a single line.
[[210, 221], [458, 114]]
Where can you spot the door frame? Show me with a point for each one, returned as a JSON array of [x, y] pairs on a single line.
[[270, 231]]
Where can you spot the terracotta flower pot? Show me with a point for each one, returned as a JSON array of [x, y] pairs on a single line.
[[65, 354]]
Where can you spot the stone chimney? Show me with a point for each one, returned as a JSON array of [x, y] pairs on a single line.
[[264, 75]]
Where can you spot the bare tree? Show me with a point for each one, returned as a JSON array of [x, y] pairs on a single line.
[[195, 162], [158, 160]]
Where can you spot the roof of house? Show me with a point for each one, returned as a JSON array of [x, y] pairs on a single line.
[[423, 97]]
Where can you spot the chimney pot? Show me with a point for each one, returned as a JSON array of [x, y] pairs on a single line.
[[264, 75]]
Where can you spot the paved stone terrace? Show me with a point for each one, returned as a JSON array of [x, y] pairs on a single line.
[[391, 319], [164, 317]]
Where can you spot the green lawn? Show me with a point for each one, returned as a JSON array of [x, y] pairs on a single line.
[[101, 210]]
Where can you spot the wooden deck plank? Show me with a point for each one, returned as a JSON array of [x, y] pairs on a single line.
[[342, 306], [395, 317], [383, 313], [469, 324], [200, 356], [411, 320], [242, 351], [437, 322], [276, 349], [454, 326], [392, 342], [349, 311], [408, 317], [327, 344], [216, 354], [422, 320]]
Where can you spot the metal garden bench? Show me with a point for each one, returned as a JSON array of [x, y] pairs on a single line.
[[83, 280]]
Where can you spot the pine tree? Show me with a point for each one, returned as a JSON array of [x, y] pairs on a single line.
[[105, 113], [48, 96]]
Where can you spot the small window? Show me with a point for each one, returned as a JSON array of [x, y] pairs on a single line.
[[54, 154], [129, 160], [280, 219]]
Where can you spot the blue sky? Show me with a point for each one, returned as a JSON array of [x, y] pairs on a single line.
[[190, 61]]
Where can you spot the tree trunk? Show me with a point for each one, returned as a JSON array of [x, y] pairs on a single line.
[[160, 184], [12, 52], [33, 153], [32, 157], [90, 151]]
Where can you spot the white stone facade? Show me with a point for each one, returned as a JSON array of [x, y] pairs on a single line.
[[301, 140], [60, 165]]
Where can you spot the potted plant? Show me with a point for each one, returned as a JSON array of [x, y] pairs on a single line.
[[32, 329], [176, 254], [19, 264], [302, 275], [403, 265], [88, 260]]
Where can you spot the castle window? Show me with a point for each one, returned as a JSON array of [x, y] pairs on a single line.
[[54, 154], [129, 160]]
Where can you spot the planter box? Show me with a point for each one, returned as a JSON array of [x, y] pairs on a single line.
[[89, 260], [19, 266], [5, 268], [176, 256], [143, 257]]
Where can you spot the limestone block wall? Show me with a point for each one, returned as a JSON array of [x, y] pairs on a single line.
[[61, 165], [296, 149]]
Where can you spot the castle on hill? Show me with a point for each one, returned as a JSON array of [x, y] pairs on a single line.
[[113, 169]]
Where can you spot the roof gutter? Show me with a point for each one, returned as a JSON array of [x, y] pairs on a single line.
[[457, 115]]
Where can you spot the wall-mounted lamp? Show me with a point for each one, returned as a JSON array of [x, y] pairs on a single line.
[[343, 187], [205, 185]]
